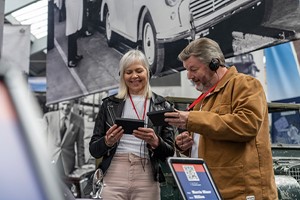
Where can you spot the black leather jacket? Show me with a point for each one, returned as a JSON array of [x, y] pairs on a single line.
[[112, 105]]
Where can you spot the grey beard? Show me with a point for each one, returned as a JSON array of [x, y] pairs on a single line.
[[200, 88]]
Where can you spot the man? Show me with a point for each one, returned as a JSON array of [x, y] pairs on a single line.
[[65, 129], [60, 4], [74, 13], [84, 31], [227, 125]]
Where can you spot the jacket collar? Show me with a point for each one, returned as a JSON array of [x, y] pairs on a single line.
[[226, 78], [114, 99], [156, 99]]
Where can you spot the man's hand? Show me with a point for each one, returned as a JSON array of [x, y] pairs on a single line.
[[184, 141], [177, 118]]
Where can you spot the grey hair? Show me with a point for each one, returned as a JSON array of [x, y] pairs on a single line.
[[204, 49], [132, 57]]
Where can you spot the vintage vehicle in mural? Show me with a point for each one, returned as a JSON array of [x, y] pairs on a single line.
[[153, 24], [244, 63]]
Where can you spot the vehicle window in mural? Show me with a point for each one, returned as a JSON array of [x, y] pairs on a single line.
[[244, 63]]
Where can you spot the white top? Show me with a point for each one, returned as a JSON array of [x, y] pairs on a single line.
[[61, 118], [129, 143], [194, 152]]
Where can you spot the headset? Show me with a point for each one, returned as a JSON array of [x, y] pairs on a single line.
[[214, 64]]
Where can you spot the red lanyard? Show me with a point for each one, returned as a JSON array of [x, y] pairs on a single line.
[[145, 103], [202, 96]]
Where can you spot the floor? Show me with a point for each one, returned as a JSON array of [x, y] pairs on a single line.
[[98, 67]]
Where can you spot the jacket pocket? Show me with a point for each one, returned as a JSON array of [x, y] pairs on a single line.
[[229, 180]]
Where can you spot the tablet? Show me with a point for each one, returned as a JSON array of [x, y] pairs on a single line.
[[129, 124], [193, 178], [157, 117]]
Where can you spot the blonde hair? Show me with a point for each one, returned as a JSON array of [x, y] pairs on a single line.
[[131, 57]]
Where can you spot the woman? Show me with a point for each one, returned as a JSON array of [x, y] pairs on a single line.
[[131, 161]]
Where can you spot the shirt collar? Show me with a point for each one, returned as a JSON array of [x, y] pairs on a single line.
[[62, 115]]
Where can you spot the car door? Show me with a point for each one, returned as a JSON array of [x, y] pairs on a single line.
[[121, 15]]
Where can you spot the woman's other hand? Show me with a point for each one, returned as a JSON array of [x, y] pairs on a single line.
[[148, 135]]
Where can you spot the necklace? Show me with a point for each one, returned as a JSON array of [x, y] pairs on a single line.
[[134, 108]]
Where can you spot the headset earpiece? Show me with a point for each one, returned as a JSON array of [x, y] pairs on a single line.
[[214, 64]]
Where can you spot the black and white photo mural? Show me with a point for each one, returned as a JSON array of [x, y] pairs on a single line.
[[161, 29]]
